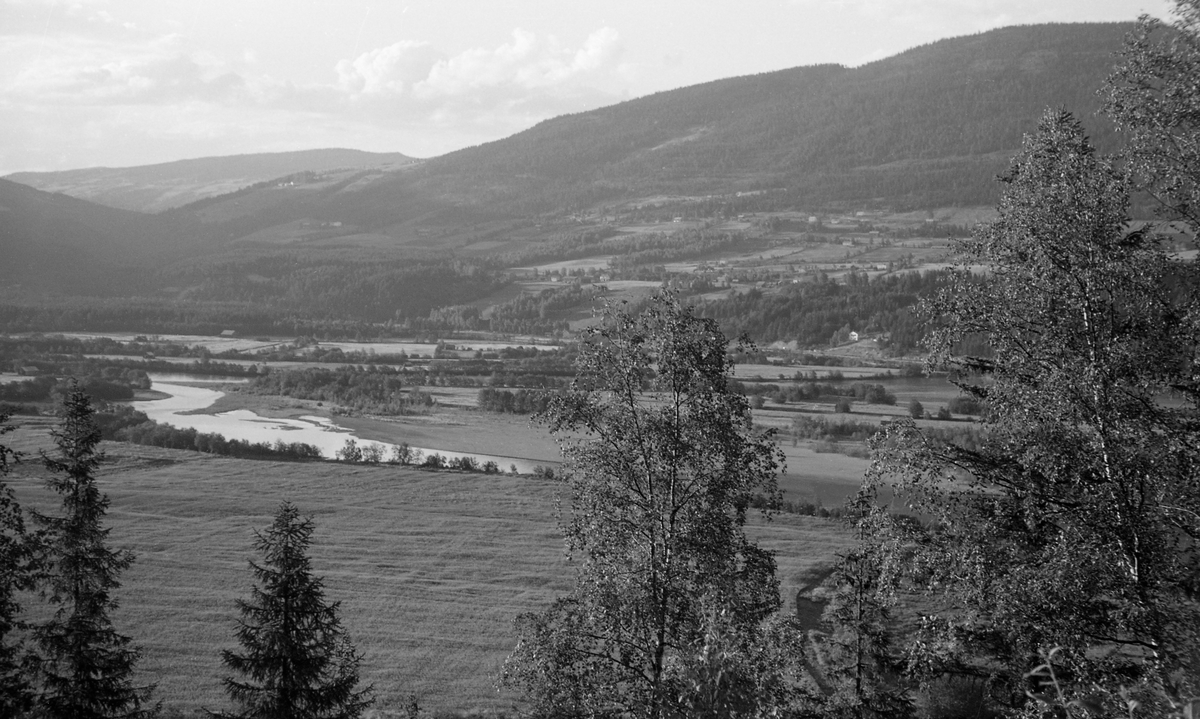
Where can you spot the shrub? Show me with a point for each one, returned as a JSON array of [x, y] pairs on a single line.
[[350, 452], [965, 404], [916, 410], [466, 464], [372, 453], [401, 454]]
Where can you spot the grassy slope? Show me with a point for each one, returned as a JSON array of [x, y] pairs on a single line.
[[430, 567]]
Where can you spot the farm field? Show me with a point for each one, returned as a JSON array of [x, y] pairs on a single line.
[[455, 426], [430, 567]]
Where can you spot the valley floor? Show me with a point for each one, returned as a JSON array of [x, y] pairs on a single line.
[[430, 567], [826, 478]]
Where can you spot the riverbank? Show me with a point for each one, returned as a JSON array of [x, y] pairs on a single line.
[[459, 429], [234, 414], [444, 429]]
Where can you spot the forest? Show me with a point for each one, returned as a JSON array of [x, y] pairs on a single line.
[[812, 314]]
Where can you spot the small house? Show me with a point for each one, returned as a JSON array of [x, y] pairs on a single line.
[[853, 336]]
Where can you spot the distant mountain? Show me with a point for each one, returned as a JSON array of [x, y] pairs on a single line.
[[52, 243], [153, 188], [929, 127]]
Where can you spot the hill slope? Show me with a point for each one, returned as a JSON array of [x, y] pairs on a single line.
[[54, 243], [910, 128], [929, 127], [152, 188]]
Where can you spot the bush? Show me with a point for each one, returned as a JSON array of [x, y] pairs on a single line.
[[916, 410], [843, 406], [402, 454], [820, 428], [873, 394], [965, 404], [162, 435], [350, 452], [466, 464], [11, 408], [372, 453]]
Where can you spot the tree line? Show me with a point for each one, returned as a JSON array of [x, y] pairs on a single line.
[[811, 313], [522, 401], [380, 391]]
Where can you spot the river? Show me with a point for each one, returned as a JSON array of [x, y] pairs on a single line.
[[244, 424]]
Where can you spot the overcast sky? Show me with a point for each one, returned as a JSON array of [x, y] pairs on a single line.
[[130, 82]]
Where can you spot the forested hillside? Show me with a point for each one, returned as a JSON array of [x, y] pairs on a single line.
[[930, 126], [813, 313], [55, 243]]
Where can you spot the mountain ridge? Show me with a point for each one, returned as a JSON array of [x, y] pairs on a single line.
[[166, 185], [928, 128]]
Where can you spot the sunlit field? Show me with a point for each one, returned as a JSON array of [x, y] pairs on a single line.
[[430, 567]]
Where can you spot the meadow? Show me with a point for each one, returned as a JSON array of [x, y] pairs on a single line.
[[455, 426], [430, 567]]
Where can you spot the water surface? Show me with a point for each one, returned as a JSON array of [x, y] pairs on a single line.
[[244, 424]]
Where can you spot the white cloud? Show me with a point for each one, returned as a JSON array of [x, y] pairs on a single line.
[[526, 63], [74, 70], [83, 70], [504, 88], [392, 69], [85, 85]]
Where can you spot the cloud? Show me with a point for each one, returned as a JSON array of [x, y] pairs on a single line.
[[407, 76], [393, 69], [519, 82], [74, 70], [57, 16], [158, 91], [156, 80], [527, 63]]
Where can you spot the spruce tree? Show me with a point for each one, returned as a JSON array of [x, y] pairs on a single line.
[[85, 666], [296, 661], [18, 562]]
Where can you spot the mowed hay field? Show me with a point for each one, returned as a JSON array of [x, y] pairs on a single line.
[[430, 567]]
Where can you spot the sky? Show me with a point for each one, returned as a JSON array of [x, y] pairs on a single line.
[[115, 83]]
